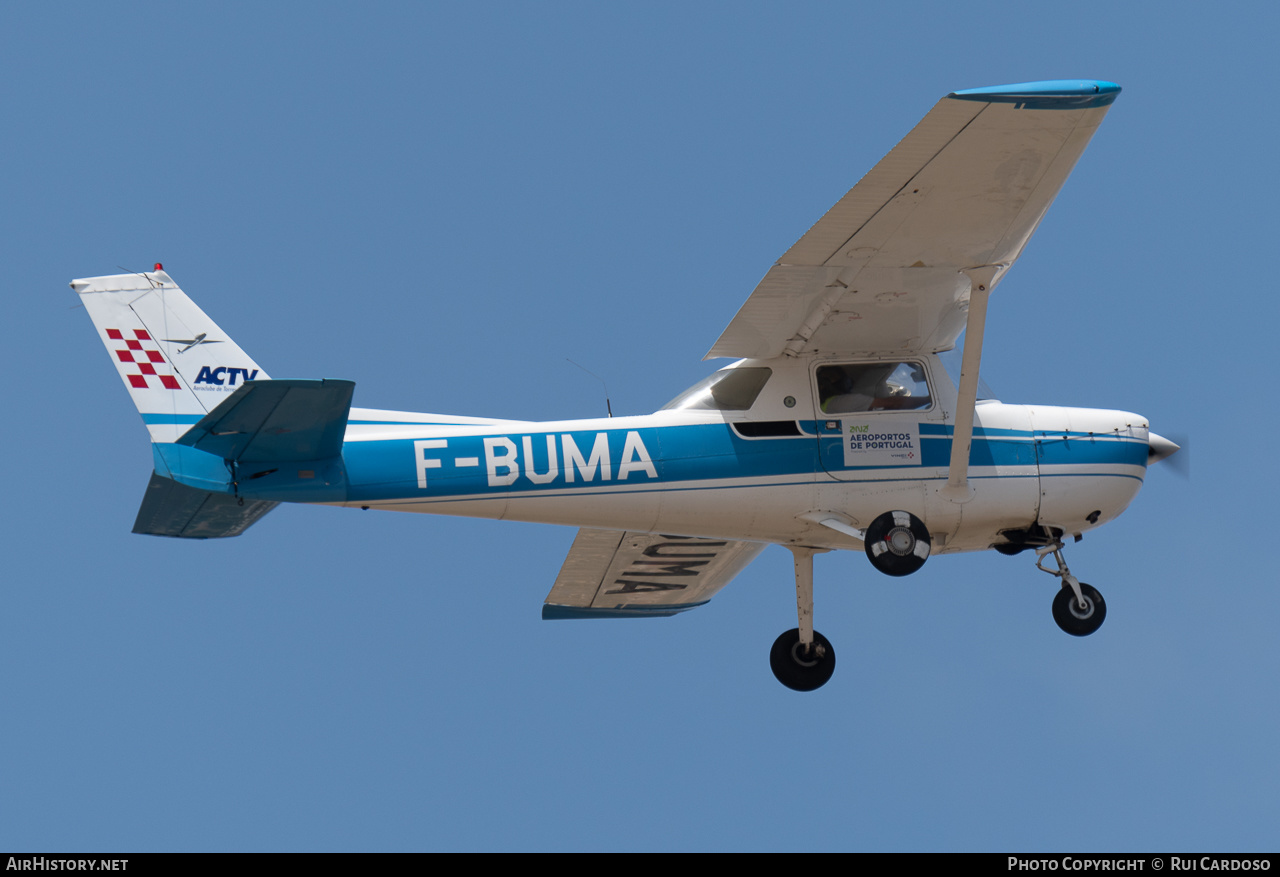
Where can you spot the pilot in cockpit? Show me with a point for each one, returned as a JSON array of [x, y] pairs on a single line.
[[891, 386]]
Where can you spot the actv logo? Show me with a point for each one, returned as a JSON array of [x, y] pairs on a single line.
[[222, 375]]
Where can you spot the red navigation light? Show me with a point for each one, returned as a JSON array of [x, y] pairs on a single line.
[[159, 267]]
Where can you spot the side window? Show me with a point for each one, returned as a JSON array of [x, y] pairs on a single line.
[[872, 386], [730, 389]]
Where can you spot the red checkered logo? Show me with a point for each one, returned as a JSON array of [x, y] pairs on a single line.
[[141, 352]]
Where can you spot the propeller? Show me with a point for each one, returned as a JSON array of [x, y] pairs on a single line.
[[1178, 453]]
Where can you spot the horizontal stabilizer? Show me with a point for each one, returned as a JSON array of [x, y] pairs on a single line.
[[173, 509], [276, 420]]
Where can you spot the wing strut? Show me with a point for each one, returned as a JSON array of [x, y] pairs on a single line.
[[981, 281]]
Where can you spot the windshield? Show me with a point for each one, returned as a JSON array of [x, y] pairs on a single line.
[[950, 360], [730, 389]]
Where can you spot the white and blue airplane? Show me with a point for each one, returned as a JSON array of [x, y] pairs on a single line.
[[837, 426]]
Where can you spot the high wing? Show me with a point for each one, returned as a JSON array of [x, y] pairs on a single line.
[[610, 574], [883, 269]]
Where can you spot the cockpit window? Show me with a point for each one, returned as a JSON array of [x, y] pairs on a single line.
[[872, 386], [730, 389]]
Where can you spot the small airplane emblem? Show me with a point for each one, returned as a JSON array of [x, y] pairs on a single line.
[[202, 338]]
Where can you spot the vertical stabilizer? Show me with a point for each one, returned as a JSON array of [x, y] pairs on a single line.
[[176, 363]]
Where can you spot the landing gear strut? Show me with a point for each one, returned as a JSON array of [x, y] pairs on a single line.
[[802, 658], [1078, 608]]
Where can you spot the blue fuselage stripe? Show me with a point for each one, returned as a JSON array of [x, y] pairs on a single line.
[[441, 467], [189, 419], [623, 460]]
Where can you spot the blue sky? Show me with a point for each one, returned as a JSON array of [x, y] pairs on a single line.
[[443, 202]]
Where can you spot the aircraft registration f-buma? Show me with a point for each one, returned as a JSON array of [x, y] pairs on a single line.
[[836, 427]]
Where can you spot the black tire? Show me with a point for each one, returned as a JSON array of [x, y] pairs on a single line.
[[798, 671], [1069, 616], [897, 543]]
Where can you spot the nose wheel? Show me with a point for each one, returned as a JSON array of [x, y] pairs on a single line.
[[1078, 608], [1079, 617]]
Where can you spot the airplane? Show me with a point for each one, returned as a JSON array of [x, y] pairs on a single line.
[[836, 427], [202, 338]]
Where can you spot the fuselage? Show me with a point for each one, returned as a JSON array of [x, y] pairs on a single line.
[[762, 460]]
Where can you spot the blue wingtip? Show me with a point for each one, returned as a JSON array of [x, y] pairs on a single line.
[[1065, 94], [554, 612]]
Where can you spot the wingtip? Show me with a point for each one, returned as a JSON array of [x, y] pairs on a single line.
[[557, 612], [1046, 94]]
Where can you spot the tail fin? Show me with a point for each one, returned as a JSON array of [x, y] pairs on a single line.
[[175, 362]]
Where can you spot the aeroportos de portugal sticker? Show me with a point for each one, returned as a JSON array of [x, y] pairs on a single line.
[[881, 443]]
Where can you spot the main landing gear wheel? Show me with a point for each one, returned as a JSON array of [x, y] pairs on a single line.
[[1075, 619], [897, 543], [796, 669]]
